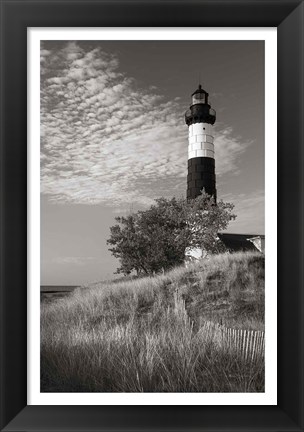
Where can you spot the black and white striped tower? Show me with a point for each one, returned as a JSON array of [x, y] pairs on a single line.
[[200, 118]]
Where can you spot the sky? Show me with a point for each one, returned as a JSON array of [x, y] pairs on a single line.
[[113, 138]]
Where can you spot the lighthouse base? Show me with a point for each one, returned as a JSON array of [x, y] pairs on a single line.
[[201, 176]]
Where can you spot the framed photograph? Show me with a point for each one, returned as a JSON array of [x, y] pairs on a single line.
[[105, 109], [180, 293]]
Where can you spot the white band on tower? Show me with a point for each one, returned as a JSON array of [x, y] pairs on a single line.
[[200, 141]]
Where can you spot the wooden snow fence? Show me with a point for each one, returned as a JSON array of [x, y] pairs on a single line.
[[248, 344]]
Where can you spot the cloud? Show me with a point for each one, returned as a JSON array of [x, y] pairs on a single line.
[[105, 140]]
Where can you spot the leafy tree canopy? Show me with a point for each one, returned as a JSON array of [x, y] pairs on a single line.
[[155, 239]]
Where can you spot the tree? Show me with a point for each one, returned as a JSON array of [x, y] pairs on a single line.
[[155, 239], [205, 220]]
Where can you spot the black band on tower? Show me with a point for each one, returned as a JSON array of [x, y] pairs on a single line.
[[201, 175]]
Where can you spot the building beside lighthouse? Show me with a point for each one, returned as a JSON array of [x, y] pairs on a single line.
[[200, 118]]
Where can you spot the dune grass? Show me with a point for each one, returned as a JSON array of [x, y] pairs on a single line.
[[145, 335]]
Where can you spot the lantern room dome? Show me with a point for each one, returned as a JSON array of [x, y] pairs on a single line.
[[200, 111], [200, 96]]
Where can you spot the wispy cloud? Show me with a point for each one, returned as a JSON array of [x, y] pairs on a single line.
[[105, 140]]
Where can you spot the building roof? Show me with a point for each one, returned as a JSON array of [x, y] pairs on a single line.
[[239, 242], [200, 90]]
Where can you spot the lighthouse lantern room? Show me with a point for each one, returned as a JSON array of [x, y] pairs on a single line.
[[200, 118]]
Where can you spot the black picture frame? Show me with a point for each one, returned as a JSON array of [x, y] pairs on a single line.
[[16, 16]]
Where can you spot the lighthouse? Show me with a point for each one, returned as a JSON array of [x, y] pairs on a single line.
[[200, 118]]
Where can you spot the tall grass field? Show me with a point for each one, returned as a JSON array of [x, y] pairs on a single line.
[[161, 333]]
